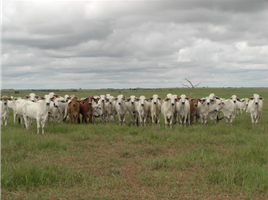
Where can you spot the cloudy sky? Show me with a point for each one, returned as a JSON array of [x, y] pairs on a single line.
[[128, 44]]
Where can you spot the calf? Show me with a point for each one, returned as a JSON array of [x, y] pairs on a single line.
[[240, 104], [228, 108], [4, 109], [121, 109], [255, 106], [38, 111], [74, 109], [32, 97], [132, 109], [155, 109], [110, 109], [183, 109], [86, 109], [168, 109], [193, 106], [202, 111], [143, 108]]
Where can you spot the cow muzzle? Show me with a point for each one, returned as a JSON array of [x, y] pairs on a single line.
[[256, 103], [110, 102], [154, 102], [183, 103], [47, 104], [172, 104], [32, 100], [234, 101], [5, 103], [89, 103], [195, 105], [132, 102], [142, 104]]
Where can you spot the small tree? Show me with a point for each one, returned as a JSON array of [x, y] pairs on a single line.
[[192, 86]]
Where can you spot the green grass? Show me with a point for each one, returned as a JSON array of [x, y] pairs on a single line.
[[108, 161]]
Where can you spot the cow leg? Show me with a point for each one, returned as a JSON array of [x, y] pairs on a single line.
[[38, 124], [140, 120], [71, 118], [6, 118], [119, 119], [166, 122], [43, 122], [15, 116], [90, 118], [85, 118], [170, 121], [252, 118]]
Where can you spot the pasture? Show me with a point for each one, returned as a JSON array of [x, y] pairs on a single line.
[[108, 161]]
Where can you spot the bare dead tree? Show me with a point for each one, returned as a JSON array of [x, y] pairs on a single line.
[[192, 86]]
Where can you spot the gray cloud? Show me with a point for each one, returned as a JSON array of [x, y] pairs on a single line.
[[124, 44]]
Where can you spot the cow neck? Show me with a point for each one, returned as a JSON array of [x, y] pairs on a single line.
[[43, 106]]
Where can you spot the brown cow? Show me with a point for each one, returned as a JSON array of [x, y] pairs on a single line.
[[193, 105], [86, 108], [74, 108]]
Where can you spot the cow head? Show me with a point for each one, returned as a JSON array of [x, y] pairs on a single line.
[[256, 98]]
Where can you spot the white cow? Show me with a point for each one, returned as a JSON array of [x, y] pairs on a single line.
[[32, 97], [183, 109], [110, 109], [212, 101], [255, 106], [4, 109], [121, 109], [17, 109], [57, 109], [102, 102], [155, 108], [246, 102], [202, 111], [38, 111], [168, 109], [228, 108], [240, 104], [143, 108], [132, 109]]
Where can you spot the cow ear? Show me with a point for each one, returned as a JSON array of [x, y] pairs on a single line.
[[43, 98], [177, 100], [261, 98], [187, 98], [151, 98], [62, 101], [159, 98], [166, 99], [212, 100], [1, 99], [115, 99], [128, 100], [137, 99], [217, 97], [192, 100], [10, 99], [68, 98], [251, 98], [238, 99], [230, 97], [26, 97]]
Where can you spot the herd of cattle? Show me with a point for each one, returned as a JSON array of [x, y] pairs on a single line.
[[175, 109]]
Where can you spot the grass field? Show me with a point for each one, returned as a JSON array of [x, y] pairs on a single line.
[[108, 161]]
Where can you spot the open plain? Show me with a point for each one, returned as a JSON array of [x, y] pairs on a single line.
[[108, 161]]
